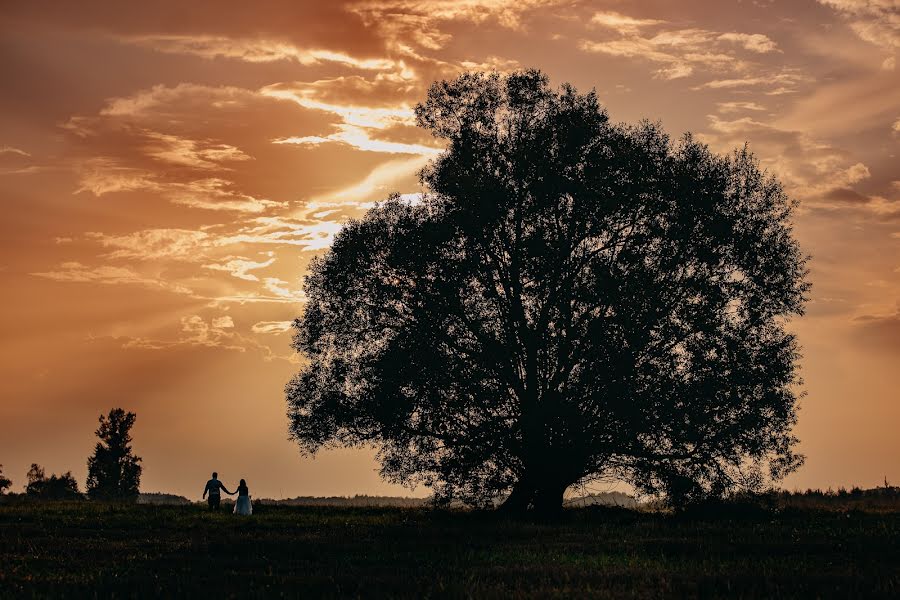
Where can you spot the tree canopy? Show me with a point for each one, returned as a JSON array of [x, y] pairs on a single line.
[[114, 473], [571, 300]]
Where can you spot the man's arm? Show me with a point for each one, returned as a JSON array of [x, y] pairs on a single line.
[[206, 489], [225, 489]]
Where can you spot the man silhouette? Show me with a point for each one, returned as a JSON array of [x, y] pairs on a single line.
[[213, 487]]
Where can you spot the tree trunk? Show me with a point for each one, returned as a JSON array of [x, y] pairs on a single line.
[[548, 498], [519, 499]]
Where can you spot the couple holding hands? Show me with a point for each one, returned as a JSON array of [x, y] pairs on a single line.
[[214, 488]]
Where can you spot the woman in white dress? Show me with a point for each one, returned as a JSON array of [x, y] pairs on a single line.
[[243, 506]]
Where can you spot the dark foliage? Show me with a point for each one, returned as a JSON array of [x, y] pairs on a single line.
[[572, 299], [5, 482], [55, 487], [114, 473]]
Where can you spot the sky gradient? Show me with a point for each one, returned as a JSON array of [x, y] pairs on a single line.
[[168, 169]]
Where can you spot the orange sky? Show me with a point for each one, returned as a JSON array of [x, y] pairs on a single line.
[[168, 169]]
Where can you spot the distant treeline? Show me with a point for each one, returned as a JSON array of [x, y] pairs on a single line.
[[358, 500], [160, 498], [883, 498]]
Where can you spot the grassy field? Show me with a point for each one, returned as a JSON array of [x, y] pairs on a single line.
[[86, 549]]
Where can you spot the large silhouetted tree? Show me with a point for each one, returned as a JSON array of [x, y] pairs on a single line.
[[570, 300], [114, 473]]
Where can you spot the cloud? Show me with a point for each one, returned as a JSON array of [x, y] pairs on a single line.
[[270, 327], [11, 150], [109, 275], [299, 23], [103, 176], [162, 101], [875, 21], [732, 107], [218, 333], [239, 267], [819, 174], [154, 244], [253, 50], [314, 96], [196, 331], [216, 194], [508, 13], [384, 179], [307, 234], [191, 153], [755, 42], [361, 124], [784, 82], [279, 288], [225, 322], [622, 23], [165, 141], [357, 137], [680, 51]]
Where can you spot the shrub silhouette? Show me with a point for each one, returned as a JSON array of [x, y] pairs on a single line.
[[55, 487], [571, 299]]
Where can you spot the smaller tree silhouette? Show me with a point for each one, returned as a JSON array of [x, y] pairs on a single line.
[[36, 480], [5, 483], [114, 473], [55, 487]]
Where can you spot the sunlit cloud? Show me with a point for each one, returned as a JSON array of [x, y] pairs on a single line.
[[280, 288], [240, 267], [507, 13], [11, 150], [160, 100], [681, 51], [755, 42], [76, 272], [816, 172], [197, 331], [271, 327], [103, 176], [176, 150], [377, 185], [359, 121], [875, 21], [216, 194], [359, 115], [622, 23], [784, 82], [359, 139], [732, 107], [309, 235], [154, 244], [254, 50]]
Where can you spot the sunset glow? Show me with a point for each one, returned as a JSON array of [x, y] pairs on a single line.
[[168, 170]]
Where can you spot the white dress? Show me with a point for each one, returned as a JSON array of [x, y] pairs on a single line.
[[243, 506]]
